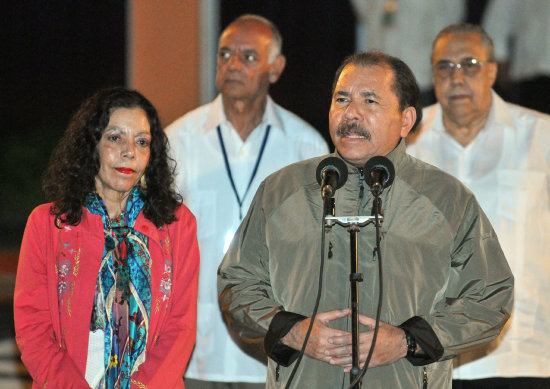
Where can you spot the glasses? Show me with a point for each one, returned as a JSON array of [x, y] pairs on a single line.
[[470, 67], [246, 57]]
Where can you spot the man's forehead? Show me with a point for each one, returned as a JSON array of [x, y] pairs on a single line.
[[355, 75], [459, 46], [239, 48], [246, 33]]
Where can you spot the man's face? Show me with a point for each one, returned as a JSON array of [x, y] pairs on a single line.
[[365, 119], [244, 71], [464, 95]]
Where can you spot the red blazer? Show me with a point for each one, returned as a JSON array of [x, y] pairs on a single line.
[[54, 290]]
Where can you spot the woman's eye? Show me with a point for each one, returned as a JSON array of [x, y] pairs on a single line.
[[113, 138], [143, 142]]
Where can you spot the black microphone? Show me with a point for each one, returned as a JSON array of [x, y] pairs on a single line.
[[379, 173], [331, 174]]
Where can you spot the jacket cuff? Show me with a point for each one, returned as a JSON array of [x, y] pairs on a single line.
[[280, 325], [424, 336]]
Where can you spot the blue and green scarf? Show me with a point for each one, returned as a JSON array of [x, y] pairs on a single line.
[[123, 296]]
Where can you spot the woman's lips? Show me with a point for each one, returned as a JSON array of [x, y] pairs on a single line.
[[125, 170]]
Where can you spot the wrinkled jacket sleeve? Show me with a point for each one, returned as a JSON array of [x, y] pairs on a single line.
[[479, 296], [246, 297], [168, 357], [46, 361]]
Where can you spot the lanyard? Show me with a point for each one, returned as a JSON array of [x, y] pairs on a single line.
[[228, 168]]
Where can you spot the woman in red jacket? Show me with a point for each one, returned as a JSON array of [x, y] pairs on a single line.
[[106, 285]]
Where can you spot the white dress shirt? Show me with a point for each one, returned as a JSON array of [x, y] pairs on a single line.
[[507, 166], [203, 181]]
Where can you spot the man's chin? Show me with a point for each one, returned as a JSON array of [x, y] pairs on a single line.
[[231, 86], [355, 158], [234, 93], [459, 110]]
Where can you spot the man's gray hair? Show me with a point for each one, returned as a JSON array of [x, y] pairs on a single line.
[[464, 28], [276, 46]]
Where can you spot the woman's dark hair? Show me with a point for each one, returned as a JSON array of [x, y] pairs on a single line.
[[404, 86], [70, 176]]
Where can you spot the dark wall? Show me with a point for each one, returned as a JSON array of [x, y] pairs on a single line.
[[55, 54]]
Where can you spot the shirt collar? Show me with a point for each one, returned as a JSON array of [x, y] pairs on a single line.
[[498, 114], [434, 115], [217, 115]]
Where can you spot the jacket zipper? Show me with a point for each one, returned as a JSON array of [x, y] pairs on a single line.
[[361, 180], [425, 379], [361, 189]]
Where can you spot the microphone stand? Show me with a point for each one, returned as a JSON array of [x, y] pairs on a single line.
[[328, 209], [354, 279], [353, 224], [377, 214]]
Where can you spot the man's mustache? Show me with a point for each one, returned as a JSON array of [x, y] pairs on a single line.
[[347, 128]]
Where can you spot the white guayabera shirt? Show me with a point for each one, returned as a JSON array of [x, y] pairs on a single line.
[[507, 166], [203, 180]]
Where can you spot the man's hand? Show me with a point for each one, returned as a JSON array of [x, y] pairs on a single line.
[[321, 344], [390, 345]]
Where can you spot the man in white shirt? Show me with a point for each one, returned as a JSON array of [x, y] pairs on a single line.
[[501, 152], [223, 151]]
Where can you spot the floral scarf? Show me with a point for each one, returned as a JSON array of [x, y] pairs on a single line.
[[122, 303]]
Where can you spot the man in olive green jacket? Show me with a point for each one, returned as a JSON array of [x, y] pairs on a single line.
[[447, 286]]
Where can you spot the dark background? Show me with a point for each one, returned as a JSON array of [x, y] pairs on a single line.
[[56, 53]]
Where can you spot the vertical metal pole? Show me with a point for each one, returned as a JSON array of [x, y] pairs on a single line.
[[354, 278]]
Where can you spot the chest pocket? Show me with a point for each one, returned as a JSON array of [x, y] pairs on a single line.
[[204, 206], [522, 198], [520, 192]]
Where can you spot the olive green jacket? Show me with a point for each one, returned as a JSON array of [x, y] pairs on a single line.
[[445, 278]]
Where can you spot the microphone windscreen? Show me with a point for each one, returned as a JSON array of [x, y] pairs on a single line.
[[333, 164], [383, 166]]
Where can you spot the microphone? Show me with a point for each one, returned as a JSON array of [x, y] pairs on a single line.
[[331, 174], [379, 173]]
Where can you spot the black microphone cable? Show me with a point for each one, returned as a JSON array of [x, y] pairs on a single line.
[[317, 300], [379, 307]]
